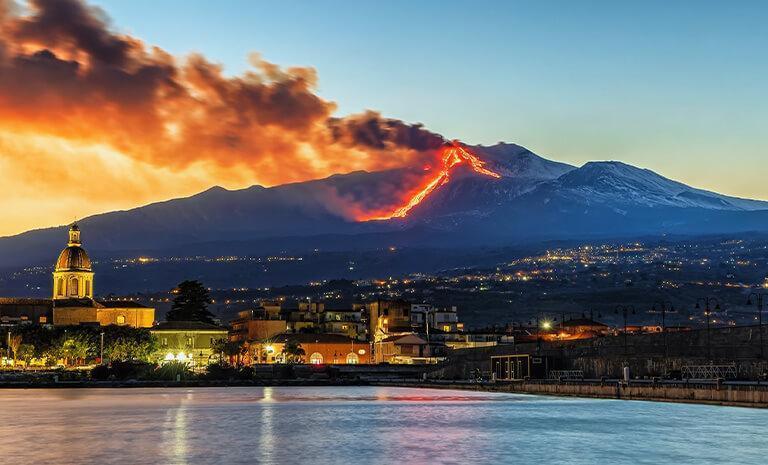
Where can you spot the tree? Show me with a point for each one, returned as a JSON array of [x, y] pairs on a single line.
[[190, 303], [76, 349], [124, 343], [15, 344], [293, 352], [230, 349], [26, 352]]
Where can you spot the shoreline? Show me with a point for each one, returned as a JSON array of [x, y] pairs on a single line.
[[749, 396], [725, 396]]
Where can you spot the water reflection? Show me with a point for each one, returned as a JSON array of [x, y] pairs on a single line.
[[267, 427], [175, 432], [363, 425]]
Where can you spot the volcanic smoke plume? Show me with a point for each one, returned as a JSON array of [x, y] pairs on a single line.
[[82, 103]]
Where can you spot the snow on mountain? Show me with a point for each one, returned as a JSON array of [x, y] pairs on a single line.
[[514, 161], [614, 182]]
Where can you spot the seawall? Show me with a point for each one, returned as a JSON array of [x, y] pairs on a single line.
[[727, 394]]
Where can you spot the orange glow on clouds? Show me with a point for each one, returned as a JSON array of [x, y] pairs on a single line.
[[93, 120]]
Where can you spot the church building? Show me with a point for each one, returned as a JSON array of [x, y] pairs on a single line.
[[73, 302]]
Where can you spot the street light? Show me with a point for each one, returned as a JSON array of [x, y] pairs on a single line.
[[708, 301], [760, 298], [546, 324], [663, 307], [625, 310]]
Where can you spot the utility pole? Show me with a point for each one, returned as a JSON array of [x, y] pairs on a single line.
[[760, 300], [625, 310], [708, 301]]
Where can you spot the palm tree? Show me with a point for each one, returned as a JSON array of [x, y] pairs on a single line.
[[293, 352]]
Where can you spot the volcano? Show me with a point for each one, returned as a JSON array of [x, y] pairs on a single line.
[[503, 194], [452, 155]]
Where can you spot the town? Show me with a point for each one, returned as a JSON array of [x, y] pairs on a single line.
[[390, 323]]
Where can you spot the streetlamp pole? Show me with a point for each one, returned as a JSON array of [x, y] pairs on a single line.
[[101, 350], [708, 301], [625, 310], [760, 300], [664, 307], [547, 325]]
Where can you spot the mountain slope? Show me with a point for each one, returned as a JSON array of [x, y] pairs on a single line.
[[534, 199]]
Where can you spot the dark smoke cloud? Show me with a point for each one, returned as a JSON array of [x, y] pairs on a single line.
[[65, 73]]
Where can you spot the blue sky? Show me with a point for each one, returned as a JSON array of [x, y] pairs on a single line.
[[678, 87]]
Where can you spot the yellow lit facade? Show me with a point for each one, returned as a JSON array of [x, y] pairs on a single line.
[[73, 302], [73, 275]]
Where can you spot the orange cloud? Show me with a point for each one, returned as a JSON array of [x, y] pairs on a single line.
[[166, 121]]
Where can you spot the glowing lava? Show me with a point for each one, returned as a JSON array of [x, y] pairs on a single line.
[[452, 155]]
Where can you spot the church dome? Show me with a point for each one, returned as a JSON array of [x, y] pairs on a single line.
[[73, 258]]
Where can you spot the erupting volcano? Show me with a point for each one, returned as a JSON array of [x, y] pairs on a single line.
[[451, 156]]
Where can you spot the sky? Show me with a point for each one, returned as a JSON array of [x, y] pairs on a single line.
[[677, 87]]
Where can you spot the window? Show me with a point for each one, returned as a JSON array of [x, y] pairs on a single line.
[[352, 358], [60, 287], [164, 341], [87, 287], [316, 358], [121, 319], [73, 286]]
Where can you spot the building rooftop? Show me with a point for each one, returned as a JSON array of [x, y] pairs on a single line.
[[24, 301], [186, 326], [120, 304], [310, 338], [414, 339]]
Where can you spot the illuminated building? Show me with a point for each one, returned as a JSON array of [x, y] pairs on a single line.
[[425, 316], [322, 349], [387, 317], [404, 348], [72, 301], [257, 324], [191, 342], [73, 275], [344, 322]]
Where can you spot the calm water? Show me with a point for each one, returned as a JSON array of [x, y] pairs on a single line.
[[365, 425]]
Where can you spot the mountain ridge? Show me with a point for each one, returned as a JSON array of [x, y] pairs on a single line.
[[533, 197]]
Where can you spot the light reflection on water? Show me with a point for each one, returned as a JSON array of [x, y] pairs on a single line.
[[359, 425]]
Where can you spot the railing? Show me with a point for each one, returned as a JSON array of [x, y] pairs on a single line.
[[565, 374], [709, 371]]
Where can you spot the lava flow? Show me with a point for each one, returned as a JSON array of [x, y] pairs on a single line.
[[452, 155]]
